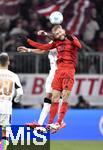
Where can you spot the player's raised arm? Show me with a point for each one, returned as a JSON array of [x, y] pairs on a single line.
[[25, 49], [19, 90], [74, 40], [40, 46], [35, 44]]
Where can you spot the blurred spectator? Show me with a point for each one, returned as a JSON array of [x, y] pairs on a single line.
[[99, 8], [91, 29], [19, 28], [11, 44], [4, 24], [92, 67], [100, 42], [82, 103]]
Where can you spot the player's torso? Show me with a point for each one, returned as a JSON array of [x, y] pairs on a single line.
[[67, 52], [53, 59], [7, 90], [7, 84]]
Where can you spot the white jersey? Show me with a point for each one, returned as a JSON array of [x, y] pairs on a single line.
[[53, 66], [53, 58], [9, 83]]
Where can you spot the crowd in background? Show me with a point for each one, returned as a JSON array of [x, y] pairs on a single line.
[[28, 22]]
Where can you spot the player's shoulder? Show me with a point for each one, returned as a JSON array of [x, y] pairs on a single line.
[[74, 37], [14, 75]]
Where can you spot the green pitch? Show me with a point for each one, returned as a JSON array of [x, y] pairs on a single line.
[[65, 145], [76, 145]]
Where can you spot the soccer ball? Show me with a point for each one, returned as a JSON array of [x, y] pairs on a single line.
[[56, 17]]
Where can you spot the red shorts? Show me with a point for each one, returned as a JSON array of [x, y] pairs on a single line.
[[63, 79]]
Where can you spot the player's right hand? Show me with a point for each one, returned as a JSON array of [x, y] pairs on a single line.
[[41, 32], [22, 49]]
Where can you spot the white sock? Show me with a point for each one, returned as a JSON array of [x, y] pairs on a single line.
[[44, 113]]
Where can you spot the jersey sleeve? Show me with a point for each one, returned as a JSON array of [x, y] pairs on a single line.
[[18, 86], [18, 89], [41, 46], [76, 42]]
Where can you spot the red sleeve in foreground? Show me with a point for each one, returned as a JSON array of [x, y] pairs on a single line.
[[76, 42], [40, 45]]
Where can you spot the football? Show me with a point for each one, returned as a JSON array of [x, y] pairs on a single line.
[[56, 17]]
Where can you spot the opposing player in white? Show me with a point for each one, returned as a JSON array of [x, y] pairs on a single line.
[[10, 87], [47, 100]]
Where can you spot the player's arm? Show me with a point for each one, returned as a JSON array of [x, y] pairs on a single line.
[[25, 49], [18, 89], [40, 46], [35, 44], [74, 40]]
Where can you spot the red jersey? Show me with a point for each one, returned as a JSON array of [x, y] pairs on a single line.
[[67, 50]]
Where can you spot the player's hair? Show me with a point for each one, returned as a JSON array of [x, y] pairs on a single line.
[[55, 28], [4, 58]]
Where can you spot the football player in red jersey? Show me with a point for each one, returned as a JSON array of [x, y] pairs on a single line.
[[67, 47]]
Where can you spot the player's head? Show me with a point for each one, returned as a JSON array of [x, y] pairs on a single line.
[[58, 32], [4, 60]]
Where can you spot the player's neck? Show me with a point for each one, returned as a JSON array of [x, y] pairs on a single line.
[[3, 67]]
